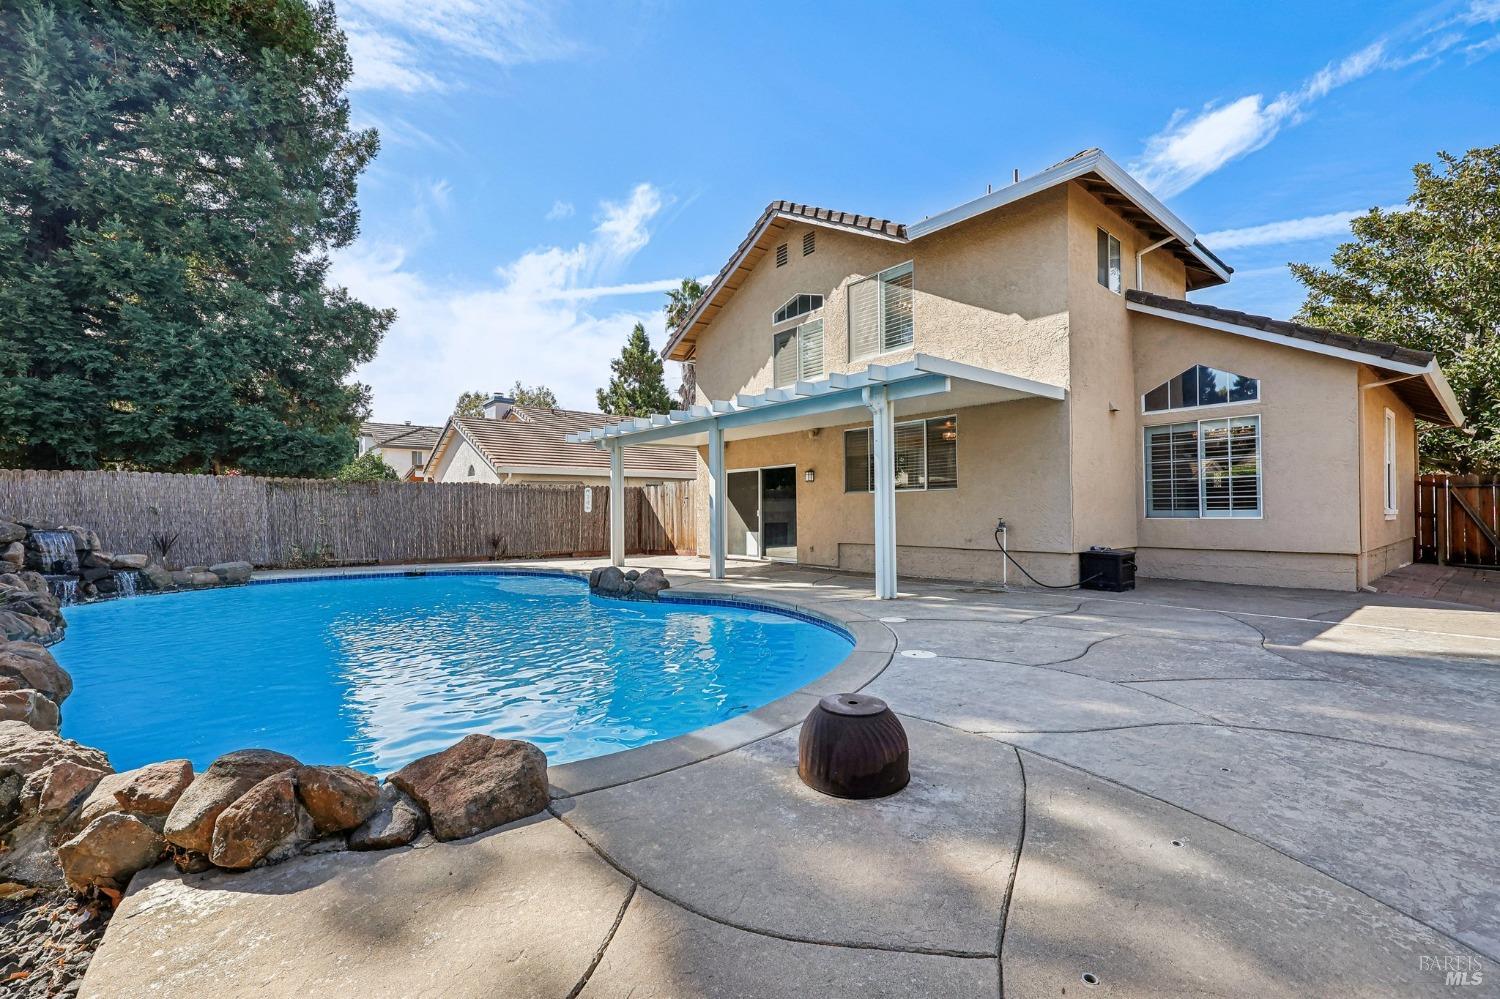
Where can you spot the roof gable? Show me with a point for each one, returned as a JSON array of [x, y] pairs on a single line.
[[1096, 172]]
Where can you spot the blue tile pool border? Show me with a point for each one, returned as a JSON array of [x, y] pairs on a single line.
[[667, 597]]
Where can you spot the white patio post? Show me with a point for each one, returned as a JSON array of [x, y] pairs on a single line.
[[616, 504], [883, 442], [716, 497]]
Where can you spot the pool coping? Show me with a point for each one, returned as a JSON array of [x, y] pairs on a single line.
[[874, 644]]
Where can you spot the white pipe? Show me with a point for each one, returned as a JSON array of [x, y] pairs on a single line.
[[1140, 261]]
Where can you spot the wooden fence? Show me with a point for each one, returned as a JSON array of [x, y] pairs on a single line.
[[279, 522], [1458, 520]]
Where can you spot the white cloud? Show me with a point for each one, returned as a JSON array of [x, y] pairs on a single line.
[[1286, 231], [560, 210], [384, 62], [408, 45], [1193, 145], [539, 322]]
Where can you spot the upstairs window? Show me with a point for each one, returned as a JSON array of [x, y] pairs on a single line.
[[1208, 469], [418, 457], [1200, 385], [781, 255], [809, 243], [797, 305], [880, 313], [1109, 261], [1390, 465], [926, 456], [797, 354]]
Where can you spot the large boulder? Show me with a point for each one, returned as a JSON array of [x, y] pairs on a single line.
[[128, 562], [148, 793], [190, 824], [650, 583], [34, 668], [156, 576], [201, 580], [22, 627], [397, 821], [477, 784], [13, 555], [337, 798], [84, 539], [29, 706], [609, 581], [11, 532], [231, 572], [266, 822], [109, 851], [41, 774]]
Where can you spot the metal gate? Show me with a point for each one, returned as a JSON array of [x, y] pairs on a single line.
[[1458, 520]]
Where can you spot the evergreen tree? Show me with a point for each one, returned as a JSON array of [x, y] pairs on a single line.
[[368, 467], [470, 404], [541, 396], [1428, 277], [174, 174], [636, 387]]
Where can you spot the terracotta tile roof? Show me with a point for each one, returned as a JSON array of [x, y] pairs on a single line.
[[407, 435], [538, 438], [1377, 349]]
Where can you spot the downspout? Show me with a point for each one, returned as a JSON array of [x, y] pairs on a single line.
[[1140, 261]]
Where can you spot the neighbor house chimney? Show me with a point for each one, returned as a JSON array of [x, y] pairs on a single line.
[[498, 406]]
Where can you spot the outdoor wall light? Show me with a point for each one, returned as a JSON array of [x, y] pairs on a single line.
[[809, 475]]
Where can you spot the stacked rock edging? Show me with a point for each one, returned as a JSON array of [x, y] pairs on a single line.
[[632, 584], [74, 567]]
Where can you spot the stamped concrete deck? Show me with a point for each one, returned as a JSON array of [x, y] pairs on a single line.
[[1190, 789]]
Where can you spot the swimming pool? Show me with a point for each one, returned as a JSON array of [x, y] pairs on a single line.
[[374, 672]]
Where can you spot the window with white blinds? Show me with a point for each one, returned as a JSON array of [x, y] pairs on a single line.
[[1390, 465], [880, 313], [1207, 469], [926, 456], [1109, 262], [797, 353]]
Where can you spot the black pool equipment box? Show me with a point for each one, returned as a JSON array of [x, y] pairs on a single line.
[[1106, 569]]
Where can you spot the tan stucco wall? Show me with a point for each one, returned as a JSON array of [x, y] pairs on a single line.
[[1017, 291], [1005, 468], [1102, 390], [991, 292], [1386, 543], [1309, 451]]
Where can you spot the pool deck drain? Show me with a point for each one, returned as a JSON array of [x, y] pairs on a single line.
[[1329, 757]]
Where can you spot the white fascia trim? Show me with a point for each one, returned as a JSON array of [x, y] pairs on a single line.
[[1266, 336], [1096, 162], [591, 471], [1444, 392]]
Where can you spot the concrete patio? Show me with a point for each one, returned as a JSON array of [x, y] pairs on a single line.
[[1188, 789]]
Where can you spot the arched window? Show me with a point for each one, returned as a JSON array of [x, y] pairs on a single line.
[[797, 305], [1200, 385]]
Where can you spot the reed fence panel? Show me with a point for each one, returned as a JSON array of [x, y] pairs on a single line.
[[278, 522]]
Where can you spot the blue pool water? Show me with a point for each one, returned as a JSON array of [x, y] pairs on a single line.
[[376, 672]]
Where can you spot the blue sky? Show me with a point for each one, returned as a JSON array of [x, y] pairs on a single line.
[[547, 169]]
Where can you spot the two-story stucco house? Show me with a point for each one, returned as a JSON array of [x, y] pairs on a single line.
[[872, 394], [405, 447]]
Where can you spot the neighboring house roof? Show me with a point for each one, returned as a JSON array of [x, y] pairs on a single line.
[[1096, 172], [403, 435], [1424, 388], [535, 443]]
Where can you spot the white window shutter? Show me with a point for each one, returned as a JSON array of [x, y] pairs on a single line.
[[864, 319], [784, 360], [810, 347], [895, 310]]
